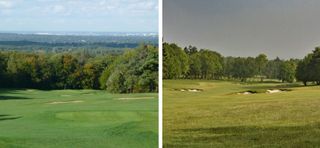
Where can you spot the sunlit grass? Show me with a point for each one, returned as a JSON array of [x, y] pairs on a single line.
[[77, 118], [220, 117]]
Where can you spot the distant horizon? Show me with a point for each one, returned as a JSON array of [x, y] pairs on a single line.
[[32, 31], [80, 33]]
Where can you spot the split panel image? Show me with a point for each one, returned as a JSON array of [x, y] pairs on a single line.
[[241, 73], [79, 74]]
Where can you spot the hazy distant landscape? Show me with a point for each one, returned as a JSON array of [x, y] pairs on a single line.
[[74, 41]]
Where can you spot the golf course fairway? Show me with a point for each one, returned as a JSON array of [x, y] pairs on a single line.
[[234, 114], [77, 118]]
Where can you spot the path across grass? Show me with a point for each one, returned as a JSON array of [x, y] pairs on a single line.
[[221, 116], [77, 118]]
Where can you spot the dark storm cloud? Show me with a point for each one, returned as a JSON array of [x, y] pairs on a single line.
[[284, 28]]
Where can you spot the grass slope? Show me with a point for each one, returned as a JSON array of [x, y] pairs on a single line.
[[77, 118], [219, 117]]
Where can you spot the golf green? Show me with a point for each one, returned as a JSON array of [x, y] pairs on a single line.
[[77, 118]]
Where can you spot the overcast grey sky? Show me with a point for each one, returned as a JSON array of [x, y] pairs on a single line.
[[284, 28]]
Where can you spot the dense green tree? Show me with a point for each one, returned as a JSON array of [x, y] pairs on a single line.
[[211, 64], [272, 69], [303, 71], [137, 71], [175, 61], [287, 71], [116, 82], [91, 74], [309, 68], [195, 66], [261, 61], [17, 69], [3, 70], [315, 66], [243, 68], [190, 50]]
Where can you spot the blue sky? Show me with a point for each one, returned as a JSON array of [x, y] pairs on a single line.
[[79, 15]]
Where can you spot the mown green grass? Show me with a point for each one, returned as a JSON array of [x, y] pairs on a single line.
[[219, 117], [29, 118]]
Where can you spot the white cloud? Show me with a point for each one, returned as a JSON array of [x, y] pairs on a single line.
[[6, 4], [101, 7], [58, 9]]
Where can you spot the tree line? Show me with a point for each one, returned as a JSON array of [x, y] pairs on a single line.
[[192, 63], [308, 69], [135, 70]]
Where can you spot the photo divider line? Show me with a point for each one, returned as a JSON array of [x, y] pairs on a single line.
[[160, 36]]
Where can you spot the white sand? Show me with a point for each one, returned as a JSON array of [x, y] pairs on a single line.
[[63, 102], [193, 90], [245, 93], [135, 98], [273, 91]]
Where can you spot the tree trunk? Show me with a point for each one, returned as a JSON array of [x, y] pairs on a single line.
[[304, 83]]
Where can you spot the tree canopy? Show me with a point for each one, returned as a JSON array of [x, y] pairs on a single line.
[[194, 63], [135, 70]]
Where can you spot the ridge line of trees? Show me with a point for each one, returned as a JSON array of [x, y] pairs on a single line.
[[133, 71], [192, 63]]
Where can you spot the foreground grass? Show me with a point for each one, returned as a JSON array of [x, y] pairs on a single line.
[[219, 117], [77, 118]]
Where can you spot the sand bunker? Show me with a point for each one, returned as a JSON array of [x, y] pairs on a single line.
[[139, 98], [64, 102], [189, 90], [249, 92], [246, 93], [271, 91], [194, 90]]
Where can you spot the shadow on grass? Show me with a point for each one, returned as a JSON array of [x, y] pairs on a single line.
[[12, 98], [282, 86], [8, 117], [8, 94], [308, 135]]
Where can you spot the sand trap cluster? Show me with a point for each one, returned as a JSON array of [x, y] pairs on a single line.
[[64, 102], [139, 98], [269, 91], [189, 90]]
